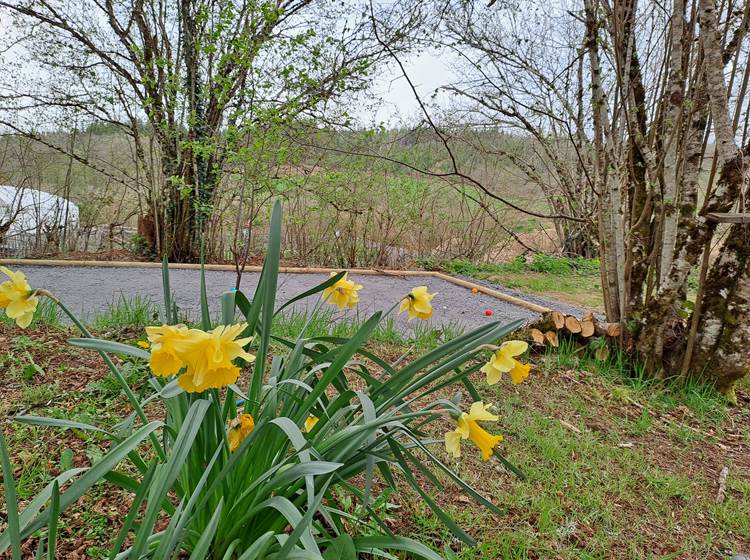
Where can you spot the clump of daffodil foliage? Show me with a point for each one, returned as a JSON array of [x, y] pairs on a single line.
[[255, 449]]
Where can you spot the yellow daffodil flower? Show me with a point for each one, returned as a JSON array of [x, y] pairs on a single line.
[[310, 423], [17, 298], [239, 429], [343, 293], [467, 428], [417, 304], [504, 361], [164, 359], [143, 344], [207, 356]]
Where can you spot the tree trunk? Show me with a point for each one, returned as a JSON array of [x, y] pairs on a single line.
[[722, 353]]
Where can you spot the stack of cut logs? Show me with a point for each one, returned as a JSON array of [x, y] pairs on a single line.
[[553, 324]]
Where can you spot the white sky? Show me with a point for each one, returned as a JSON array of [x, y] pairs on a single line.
[[428, 71]]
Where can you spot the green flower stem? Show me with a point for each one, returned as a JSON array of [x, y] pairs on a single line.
[[115, 371]]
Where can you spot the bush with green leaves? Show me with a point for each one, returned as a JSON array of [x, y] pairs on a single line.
[[323, 419]]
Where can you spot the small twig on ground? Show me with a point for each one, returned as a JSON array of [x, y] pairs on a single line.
[[570, 426], [721, 494], [667, 420]]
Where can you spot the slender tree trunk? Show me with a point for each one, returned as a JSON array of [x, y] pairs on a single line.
[[606, 210], [671, 135], [718, 329]]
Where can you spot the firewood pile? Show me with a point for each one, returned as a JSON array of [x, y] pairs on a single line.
[[554, 326]]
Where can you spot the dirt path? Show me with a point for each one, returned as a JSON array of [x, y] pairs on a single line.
[[88, 291]]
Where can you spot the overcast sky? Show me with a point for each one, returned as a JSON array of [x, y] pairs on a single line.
[[427, 71]]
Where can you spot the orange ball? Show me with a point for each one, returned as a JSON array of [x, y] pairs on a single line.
[[474, 291]]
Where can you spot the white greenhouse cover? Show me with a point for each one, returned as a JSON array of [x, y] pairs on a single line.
[[33, 209]]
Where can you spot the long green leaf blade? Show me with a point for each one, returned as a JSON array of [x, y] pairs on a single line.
[[57, 423], [266, 293], [370, 545], [167, 291], [54, 518], [109, 346], [201, 548], [168, 473], [11, 501], [205, 313]]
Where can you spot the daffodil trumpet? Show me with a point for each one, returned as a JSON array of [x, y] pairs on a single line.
[[417, 303], [503, 360], [202, 359], [467, 427]]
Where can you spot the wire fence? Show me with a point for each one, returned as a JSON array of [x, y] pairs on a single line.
[[65, 240]]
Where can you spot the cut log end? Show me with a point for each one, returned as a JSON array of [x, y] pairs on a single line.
[[558, 319], [551, 337], [588, 327], [572, 324], [613, 329], [585, 330], [537, 336]]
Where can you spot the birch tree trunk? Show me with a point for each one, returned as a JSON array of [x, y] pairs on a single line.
[[672, 130]]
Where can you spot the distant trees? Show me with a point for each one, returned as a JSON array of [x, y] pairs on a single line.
[[192, 82]]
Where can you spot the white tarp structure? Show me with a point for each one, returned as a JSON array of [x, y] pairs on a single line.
[[31, 212]]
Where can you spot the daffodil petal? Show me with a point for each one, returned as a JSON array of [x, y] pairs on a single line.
[[493, 374], [502, 361], [25, 320], [453, 443], [462, 426], [514, 347], [479, 411]]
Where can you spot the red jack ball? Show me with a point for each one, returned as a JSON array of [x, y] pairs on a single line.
[[488, 312]]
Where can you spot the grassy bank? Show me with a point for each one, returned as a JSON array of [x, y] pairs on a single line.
[[616, 466], [573, 281]]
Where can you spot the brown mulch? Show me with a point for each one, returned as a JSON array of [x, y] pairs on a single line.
[[71, 370]]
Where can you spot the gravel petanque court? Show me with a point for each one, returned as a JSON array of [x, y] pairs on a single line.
[[90, 290]]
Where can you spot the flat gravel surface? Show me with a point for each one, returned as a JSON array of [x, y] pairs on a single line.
[[89, 290]]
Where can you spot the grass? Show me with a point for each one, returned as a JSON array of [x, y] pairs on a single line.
[[617, 465], [127, 311], [575, 281], [571, 280], [417, 336]]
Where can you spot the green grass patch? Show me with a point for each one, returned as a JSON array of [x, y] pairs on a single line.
[[418, 335], [539, 262], [127, 312], [571, 280]]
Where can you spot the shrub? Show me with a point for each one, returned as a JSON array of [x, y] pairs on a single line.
[[254, 466]]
